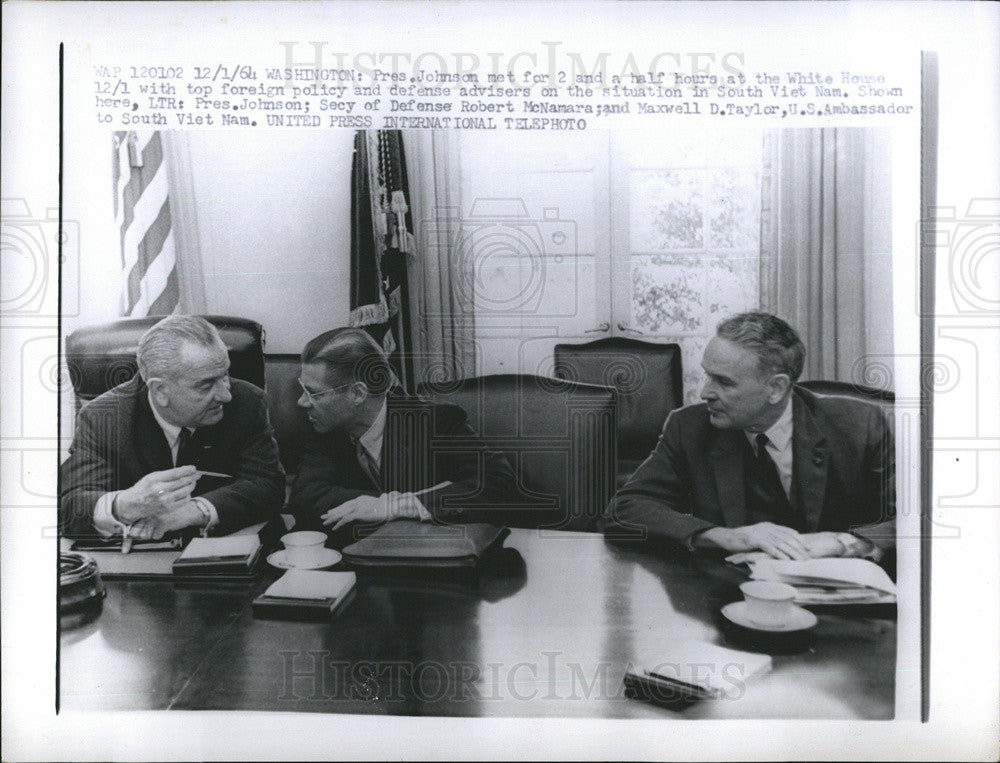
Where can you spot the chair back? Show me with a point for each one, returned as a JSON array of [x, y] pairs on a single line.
[[291, 426], [647, 377], [885, 399], [559, 437], [101, 357]]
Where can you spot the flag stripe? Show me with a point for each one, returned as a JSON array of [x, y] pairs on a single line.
[[169, 298], [150, 284], [144, 214], [141, 177], [155, 280], [148, 251]]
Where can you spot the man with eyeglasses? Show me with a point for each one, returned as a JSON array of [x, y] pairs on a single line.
[[180, 447], [379, 454]]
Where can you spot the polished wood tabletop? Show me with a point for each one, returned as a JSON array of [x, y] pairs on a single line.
[[549, 629]]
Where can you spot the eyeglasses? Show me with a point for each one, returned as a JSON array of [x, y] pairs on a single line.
[[312, 396]]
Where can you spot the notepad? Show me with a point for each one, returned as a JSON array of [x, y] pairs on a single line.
[[306, 595], [228, 555], [312, 584], [694, 670], [228, 547]]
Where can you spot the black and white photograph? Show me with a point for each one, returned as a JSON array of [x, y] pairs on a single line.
[[402, 401], [620, 380]]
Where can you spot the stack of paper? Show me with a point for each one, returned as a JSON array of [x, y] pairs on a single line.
[[315, 585], [829, 581], [306, 595], [227, 554], [700, 670]]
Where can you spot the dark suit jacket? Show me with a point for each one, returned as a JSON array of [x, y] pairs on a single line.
[[423, 445], [843, 474], [117, 442]]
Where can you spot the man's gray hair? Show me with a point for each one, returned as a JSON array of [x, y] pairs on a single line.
[[160, 346], [773, 341]]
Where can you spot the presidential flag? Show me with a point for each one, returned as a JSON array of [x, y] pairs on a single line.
[[381, 242]]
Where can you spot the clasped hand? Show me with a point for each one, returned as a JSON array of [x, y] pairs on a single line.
[[371, 508], [159, 503], [776, 541]]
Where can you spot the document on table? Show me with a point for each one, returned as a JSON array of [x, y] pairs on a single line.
[[317, 585]]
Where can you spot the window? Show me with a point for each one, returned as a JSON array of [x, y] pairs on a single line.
[[650, 234]]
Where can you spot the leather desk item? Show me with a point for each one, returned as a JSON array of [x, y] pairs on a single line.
[[420, 545]]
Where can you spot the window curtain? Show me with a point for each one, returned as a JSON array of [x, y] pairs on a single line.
[[826, 258], [443, 316], [381, 243], [183, 206]]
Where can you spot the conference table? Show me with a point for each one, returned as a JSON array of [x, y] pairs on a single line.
[[549, 629]]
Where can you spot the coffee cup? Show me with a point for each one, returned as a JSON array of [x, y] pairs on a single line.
[[304, 548], [769, 603]]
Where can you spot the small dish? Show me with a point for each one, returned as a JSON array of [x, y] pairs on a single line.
[[329, 558], [801, 619]]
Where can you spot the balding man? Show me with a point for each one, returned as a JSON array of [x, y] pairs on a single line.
[[139, 450], [762, 465]]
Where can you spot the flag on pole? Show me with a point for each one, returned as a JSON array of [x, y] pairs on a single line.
[[143, 225], [381, 243]]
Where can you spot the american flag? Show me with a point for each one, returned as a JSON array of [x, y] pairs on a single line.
[[143, 225]]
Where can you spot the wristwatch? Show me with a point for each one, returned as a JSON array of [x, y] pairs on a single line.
[[205, 512]]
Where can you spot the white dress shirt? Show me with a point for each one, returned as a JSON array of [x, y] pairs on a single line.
[[104, 520]]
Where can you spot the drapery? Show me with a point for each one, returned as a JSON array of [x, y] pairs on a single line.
[[826, 258], [381, 242], [443, 315]]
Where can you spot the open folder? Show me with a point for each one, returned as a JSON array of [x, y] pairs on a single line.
[[829, 580]]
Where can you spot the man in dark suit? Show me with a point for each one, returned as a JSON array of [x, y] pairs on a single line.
[[135, 464], [378, 454], [763, 465]]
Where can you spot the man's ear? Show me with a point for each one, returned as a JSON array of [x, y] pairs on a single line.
[[158, 391], [778, 387], [358, 392]]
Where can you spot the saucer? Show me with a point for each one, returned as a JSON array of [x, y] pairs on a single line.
[[801, 619], [330, 558]]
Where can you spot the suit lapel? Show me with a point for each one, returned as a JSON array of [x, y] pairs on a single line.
[[727, 461], [809, 463], [150, 442]]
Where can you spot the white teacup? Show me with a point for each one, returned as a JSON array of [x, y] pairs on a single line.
[[304, 548], [769, 603]]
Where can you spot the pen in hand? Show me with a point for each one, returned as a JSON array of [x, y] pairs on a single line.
[[439, 486]]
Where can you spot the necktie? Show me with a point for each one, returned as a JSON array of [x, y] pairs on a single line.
[[186, 448], [766, 497], [767, 465], [368, 464]]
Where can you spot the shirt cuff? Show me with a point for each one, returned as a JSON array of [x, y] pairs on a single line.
[[208, 509], [104, 519], [860, 547], [423, 514], [689, 541]]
